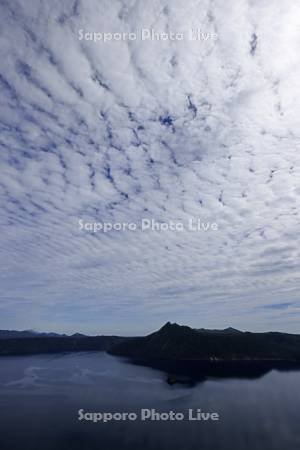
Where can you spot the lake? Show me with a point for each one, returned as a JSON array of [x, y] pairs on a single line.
[[40, 397]]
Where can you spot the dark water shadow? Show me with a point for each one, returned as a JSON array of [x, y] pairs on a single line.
[[191, 372]]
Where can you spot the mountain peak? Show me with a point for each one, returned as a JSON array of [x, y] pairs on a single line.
[[170, 326], [231, 330], [172, 329]]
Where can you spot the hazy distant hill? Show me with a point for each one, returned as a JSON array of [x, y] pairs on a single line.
[[41, 344], [12, 334]]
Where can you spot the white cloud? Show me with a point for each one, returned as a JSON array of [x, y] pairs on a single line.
[[165, 130]]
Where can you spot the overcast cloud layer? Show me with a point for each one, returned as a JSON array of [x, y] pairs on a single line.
[[164, 130]]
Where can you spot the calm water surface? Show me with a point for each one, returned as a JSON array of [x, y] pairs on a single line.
[[40, 397]]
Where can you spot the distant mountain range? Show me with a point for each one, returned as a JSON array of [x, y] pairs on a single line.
[[12, 334], [172, 342], [30, 342]]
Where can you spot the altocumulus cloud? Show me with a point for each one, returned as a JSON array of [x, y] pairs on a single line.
[[170, 130]]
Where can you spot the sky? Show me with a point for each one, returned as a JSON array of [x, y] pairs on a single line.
[[121, 131]]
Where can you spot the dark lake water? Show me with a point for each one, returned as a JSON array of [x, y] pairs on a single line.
[[40, 397]]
